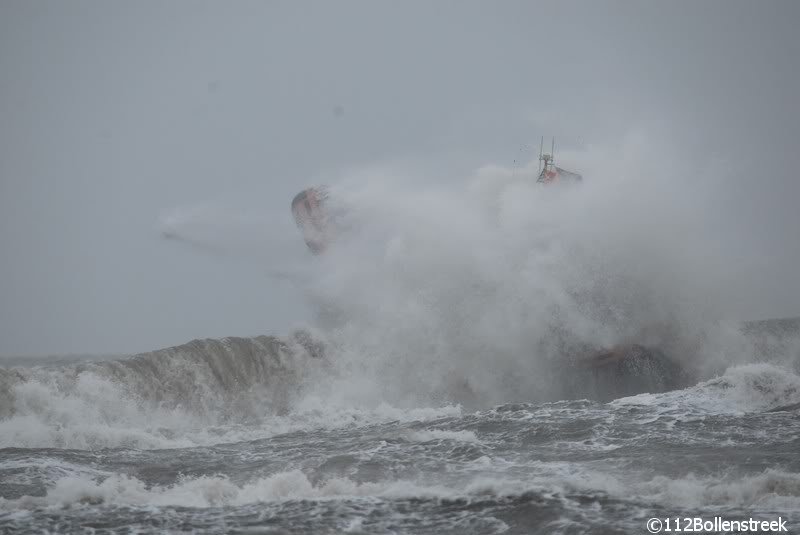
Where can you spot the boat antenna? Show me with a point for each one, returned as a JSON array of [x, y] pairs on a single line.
[[541, 147]]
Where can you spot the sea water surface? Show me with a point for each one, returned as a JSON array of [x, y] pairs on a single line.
[[217, 436]]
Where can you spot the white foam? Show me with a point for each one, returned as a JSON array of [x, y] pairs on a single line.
[[213, 491], [770, 489], [741, 389], [96, 412], [471, 292]]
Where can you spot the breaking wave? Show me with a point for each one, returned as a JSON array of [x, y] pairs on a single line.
[[769, 489], [151, 399], [741, 389], [212, 391], [204, 392]]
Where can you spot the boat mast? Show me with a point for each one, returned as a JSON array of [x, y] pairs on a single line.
[[546, 160]]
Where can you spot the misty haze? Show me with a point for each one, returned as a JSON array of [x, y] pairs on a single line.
[[418, 267]]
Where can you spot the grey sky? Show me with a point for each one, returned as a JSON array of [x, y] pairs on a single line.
[[113, 112]]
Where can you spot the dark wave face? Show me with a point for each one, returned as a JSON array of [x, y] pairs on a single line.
[[151, 399]]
